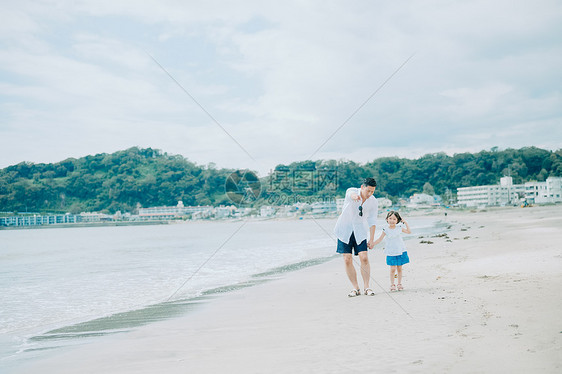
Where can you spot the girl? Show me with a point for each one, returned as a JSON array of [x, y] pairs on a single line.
[[395, 250]]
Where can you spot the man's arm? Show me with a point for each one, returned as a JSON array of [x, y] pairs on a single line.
[[352, 194], [372, 221], [371, 243]]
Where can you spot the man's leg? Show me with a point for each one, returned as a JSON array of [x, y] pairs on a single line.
[[350, 269], [365, 268]]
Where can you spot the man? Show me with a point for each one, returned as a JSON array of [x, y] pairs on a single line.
[[359, 215]]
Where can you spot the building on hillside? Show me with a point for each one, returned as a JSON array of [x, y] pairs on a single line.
[[267, 211], [286, 211], [507, 193], [546, 192], [172, 212], [423, 200], [242, 212], [222, 212], [384, 202], [324, 207], [419, 199], [38, 220], [95, 217]]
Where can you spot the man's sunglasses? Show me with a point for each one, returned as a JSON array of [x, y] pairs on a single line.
[[360, 211]]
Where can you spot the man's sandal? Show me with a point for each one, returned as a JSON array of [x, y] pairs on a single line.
[[354, 293], [400, 288], [392, 287], [369, 292]]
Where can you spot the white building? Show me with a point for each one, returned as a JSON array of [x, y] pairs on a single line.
[[505, 193], [324, 207], [37, 219], [549, 191], [418, 199], [384, 202], [267, 211], [94, 217], [171, 212], [224, 211], [242, 212]]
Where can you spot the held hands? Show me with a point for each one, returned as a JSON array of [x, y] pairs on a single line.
[[371, 244]]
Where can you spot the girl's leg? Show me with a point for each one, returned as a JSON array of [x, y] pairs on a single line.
[[399, 271], [392, 271]]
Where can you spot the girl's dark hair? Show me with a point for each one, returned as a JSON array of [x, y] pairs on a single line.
[[396, 214]]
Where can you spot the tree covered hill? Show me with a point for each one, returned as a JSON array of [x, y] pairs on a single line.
[[120, 181], [438, 172], [136, 177]]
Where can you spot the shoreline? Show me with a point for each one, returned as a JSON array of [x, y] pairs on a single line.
[[477, 299], [85, 224], [420, 212]]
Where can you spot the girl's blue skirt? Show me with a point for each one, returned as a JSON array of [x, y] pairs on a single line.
[[398, 260]]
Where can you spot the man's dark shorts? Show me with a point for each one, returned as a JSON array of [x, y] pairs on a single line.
[[352, 245]]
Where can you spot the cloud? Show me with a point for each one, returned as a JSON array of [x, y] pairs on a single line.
[[279, 78]]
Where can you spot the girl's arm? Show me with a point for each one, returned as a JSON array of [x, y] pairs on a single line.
[[407, 229], [379, 239]]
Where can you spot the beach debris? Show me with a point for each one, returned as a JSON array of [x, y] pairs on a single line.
[[463, 229], [443, 235], [466, 237], [426, 241]]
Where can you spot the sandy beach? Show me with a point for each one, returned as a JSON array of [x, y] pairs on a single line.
[[483, 298]]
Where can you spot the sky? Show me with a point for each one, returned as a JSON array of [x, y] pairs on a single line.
[[254, 84]]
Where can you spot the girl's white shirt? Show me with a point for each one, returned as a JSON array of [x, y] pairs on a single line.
[[394, 244]]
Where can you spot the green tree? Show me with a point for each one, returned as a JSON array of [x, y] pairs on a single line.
[[428, 189]]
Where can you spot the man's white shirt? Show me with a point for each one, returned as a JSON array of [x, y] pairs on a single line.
[[350, 221]]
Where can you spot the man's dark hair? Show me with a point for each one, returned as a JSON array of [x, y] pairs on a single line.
[[371, 182]]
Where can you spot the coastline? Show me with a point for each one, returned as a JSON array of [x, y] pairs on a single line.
[[84, 224], [482, 297], [413, 213]]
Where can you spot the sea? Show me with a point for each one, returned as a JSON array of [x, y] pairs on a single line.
[[60, 287]]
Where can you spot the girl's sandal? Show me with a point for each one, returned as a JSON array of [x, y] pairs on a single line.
[[392, 287], [354, 293], [400, 288]]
